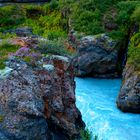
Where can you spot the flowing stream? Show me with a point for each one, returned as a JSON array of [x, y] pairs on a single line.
[[96, 99]]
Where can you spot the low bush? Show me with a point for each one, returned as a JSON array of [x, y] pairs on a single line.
[[134, 51], [56, 47], [86, 134], [5, 50]]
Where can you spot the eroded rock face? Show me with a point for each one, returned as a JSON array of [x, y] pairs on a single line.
[[21, 105], [129, 96], [39, 103], [59, 96], [97, 56]]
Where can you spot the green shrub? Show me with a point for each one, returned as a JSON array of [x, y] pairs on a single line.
[[56, 34], [86, 134], [9, 17], [128, 6], [116, 34], [7, 35], [88, 22], [136, 15], [1, 118], [6, 49], [53, 47], [123, 19], [44, 19], [134, 51]]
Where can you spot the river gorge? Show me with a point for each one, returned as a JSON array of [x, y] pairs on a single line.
[[96, 99], [69, 70]]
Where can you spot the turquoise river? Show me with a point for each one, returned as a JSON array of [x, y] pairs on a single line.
[[96, 99]]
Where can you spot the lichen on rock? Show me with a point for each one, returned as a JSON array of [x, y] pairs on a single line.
[[5, 72], [39, 100]]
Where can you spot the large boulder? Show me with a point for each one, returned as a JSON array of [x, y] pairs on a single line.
[[39, 103], [59, 95], [21, 104], [97, 56], [129, 97]]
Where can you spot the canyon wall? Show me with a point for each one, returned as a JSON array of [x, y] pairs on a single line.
[[39, 102]]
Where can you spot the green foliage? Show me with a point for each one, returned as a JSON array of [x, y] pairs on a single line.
[[44, 19], [86, 134], [53, 47], [56, 34], [88, 22], [134, 51], [27, 59], [116, 34], [1, 118], [10, 18], [123, 19], [129, 14], [125, 11], [87, 18], [53, 20], [2, 65], [7, 35], [128, 6], [136, 15], [5, 49]]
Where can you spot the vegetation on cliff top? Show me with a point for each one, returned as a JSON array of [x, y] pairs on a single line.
[[134, 46], [55, 19], [5, 50]]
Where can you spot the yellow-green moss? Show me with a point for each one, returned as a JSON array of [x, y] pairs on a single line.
[[134, 51], [5, 50], [1, 118]]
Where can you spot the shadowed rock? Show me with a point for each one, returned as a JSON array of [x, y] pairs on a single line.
[[129, 96], [97, 56]]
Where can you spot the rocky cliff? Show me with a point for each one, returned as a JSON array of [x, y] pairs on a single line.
[[97, 56], [129, 96], [38, 103]]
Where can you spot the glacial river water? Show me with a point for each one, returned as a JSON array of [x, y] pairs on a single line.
[[96, 99]]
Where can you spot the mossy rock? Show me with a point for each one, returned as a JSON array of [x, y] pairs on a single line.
[[1, 118]]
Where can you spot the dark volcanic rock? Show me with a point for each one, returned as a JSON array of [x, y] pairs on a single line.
[[129, 96], [39, 103], [21, 105], [97, 56], [59, 94]]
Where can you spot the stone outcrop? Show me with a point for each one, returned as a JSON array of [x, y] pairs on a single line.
[[129, 96], [97, 56], [59, 97], [21, 32], [39, 103]]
